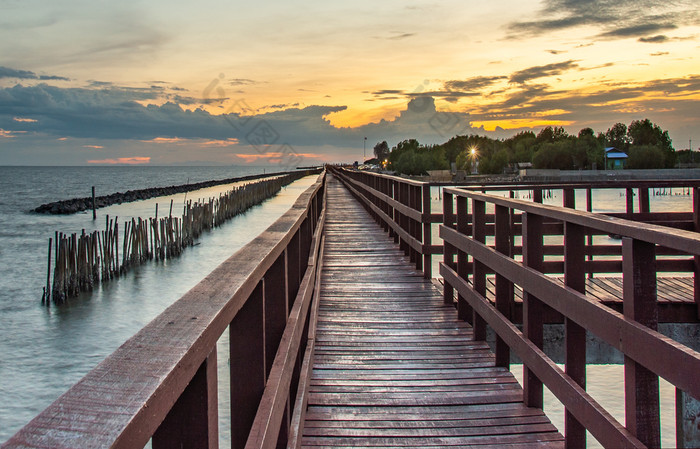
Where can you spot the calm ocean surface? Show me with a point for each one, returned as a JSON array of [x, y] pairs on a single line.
[[45, 350]]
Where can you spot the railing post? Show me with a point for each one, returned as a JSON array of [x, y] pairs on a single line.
[[504, 288], [639, 303], [394, 194], [575, 335], [427, 233], [464, 310], [248, 374], [629, 197], [589, 236], [403, 219], [276, 309], [532, 307], [570, 198], [537, 195], [478, 268], [194, 419], [643, 193], [416, 225], [448, 250], [696, 259], [305, 236], [386, 184], [293, 275]]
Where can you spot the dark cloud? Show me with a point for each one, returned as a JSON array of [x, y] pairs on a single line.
[[611, 103], [383, 92], [474, 83], [6, 72], [658, 39], [401, 36], [179, 99], [396, 36], [525, 75], [444, 94], [242, 82], [116, 113], [637, 30], [93, 83], [618, 19]]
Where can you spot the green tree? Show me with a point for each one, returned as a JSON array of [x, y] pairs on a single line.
[[586, 133], [496, 163], [556, 155], [402, 147], [617, 137], [587, 143], [551, 134], [409, 158], [381, 150], [646, 133], [645, 157]]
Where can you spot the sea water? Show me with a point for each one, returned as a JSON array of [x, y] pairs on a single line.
[[45, 350]]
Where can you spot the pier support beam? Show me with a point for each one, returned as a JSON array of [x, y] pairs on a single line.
[[639, 296]]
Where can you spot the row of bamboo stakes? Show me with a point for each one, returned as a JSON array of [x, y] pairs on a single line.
[[83, 261]]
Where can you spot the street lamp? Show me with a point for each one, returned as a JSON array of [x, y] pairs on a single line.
[[364, 150], [472, 151]]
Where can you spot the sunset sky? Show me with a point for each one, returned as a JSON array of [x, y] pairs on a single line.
[[302, 82]]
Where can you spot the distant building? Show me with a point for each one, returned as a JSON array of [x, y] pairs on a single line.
[[615, 159]]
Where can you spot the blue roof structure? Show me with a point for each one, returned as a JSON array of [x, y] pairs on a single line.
[[613, 153]]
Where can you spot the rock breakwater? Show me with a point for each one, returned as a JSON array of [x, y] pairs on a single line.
[[75, 205]]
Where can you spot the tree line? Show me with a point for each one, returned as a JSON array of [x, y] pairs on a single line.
[[645, 143]]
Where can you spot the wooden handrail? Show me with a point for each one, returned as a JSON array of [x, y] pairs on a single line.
[[681, 240], [403, 208], [648, 353], [266, 427], [165, 375]]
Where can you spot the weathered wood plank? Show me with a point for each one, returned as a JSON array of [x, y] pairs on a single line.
[[393, 366]]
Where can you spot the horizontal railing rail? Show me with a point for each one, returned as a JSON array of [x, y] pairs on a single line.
[[642, 190], [161, 385], [402, 207], [648, 354]]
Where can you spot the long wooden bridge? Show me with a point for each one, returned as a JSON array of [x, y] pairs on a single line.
[[340, 338]]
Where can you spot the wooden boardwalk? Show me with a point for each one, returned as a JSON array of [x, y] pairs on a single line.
[[393, 366]]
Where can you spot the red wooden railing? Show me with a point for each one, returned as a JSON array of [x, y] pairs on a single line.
[[162, 384], [402, 207], [648, 354]]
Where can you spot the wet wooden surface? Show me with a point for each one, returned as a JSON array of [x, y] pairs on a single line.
[[393, 366]]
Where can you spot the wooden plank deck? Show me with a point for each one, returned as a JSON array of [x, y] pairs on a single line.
[[676, 302], [393, 367]]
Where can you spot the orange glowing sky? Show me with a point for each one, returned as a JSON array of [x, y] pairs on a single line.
[[174, 82]]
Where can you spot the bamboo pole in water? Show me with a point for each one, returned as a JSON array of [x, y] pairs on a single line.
[[82, 261], [47, 292]]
